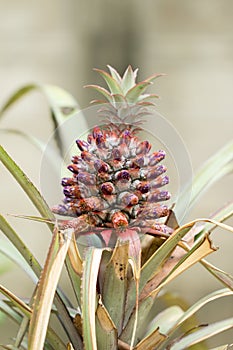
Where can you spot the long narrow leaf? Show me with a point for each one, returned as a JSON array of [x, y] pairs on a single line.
[[115, 280], [24, 325], [222, 276], [54, 156], [145, 306], [32, 262], [29, 259], [113, 85], [74, 268], [221, 215], [202, 302], [46, 290], [195, 308], [152, 266], [26, 185], [198, 252], [202, 334], [132, 237], [105, 329], [16, 301], [67, 322], [90, 273], [219, 165], [61, 103], [10, 312], [9, 251], [166, 319], [53, 337], [21, 332], [32, 139], [45, 211]]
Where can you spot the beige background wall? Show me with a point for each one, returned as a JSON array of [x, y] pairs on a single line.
[[59, 42]]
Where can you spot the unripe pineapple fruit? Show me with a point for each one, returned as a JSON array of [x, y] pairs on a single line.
[[117, 180]]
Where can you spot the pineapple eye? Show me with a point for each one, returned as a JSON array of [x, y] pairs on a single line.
[[119, 220], [123, 176], [107, 188]]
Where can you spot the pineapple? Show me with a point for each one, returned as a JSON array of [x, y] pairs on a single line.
[[115, 192], [117, 181]]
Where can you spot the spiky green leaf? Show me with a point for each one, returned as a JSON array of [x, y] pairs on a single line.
[[137, 90], [101, 90], [114, 74], [154, 76], [113, 85], [128, 80]]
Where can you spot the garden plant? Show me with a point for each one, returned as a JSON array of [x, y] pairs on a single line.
[[113, 233]]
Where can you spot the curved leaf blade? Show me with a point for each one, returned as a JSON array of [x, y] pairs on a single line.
[[11, 252], [219, 165], [136, 91], [166, 319], [26, 185], [32, 139], [202, 334], [16, 96], [111, 82], [195, 308], [114, 74], [62, 104], [152, 266], [102, 91], [18, 244], [45, 211], [10, 312]]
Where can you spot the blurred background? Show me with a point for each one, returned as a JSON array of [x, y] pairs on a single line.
[[59, 42]]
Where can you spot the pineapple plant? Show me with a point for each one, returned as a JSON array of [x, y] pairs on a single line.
[[116, 193]]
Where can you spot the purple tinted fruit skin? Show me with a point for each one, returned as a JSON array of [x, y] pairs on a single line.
[[116, 185]]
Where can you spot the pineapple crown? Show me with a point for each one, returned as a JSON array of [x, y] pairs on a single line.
[[127, 100]]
